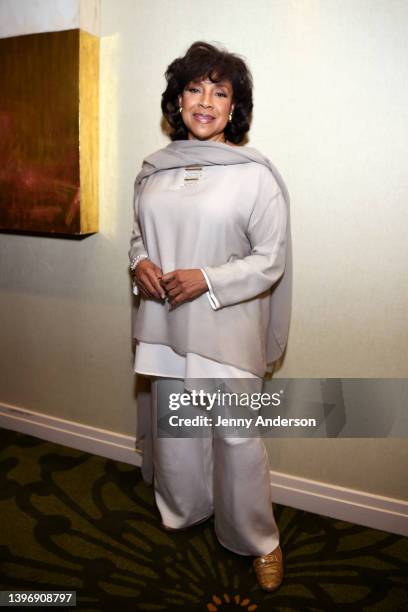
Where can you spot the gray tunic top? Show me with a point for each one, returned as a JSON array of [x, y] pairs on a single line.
[[234, 223]]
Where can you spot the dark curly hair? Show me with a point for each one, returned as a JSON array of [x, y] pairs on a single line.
[[203, 60]]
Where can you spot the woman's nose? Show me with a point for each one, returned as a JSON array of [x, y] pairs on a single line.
[[205, 101]]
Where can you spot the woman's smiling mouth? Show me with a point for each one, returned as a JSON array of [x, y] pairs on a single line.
[[202, 118]]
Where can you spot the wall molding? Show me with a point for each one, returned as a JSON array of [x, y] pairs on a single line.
[[362, 508], [368, 509], [70, 433]]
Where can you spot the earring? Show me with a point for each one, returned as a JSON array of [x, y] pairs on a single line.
[[230, 116], [180, 108]]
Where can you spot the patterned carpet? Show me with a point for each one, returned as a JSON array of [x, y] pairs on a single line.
[[74, 520]]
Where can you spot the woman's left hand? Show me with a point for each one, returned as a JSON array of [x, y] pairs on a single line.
[[184, 285]]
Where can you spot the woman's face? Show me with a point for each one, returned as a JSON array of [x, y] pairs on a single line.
[[206, 107]]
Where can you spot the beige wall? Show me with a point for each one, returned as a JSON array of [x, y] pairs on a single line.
[[330, 112]]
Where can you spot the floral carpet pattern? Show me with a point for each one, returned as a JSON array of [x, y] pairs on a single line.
[[76, 521]]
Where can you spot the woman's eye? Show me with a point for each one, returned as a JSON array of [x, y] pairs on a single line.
[[192, 89], [221, 94]]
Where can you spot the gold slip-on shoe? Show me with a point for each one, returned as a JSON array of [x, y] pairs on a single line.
[[269, 569]]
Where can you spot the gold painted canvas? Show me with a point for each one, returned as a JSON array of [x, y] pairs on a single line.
[[49, 133]]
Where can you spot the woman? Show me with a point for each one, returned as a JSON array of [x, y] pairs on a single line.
[[210, 257]]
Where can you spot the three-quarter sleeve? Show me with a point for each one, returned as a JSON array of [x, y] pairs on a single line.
[[214, 303], [247, 277], [137, 250], [137, 247]]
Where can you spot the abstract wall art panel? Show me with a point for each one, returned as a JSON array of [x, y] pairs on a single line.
[[49, 133]]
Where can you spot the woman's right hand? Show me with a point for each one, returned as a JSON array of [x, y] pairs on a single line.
[[147, 277]]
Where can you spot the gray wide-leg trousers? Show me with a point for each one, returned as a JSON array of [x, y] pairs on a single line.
[[228, 477]]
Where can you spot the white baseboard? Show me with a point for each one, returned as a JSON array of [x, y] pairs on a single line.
[[345, 504], [351, 505], [70, 433]]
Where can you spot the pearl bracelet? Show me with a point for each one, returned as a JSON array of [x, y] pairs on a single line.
[[135, 260]]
